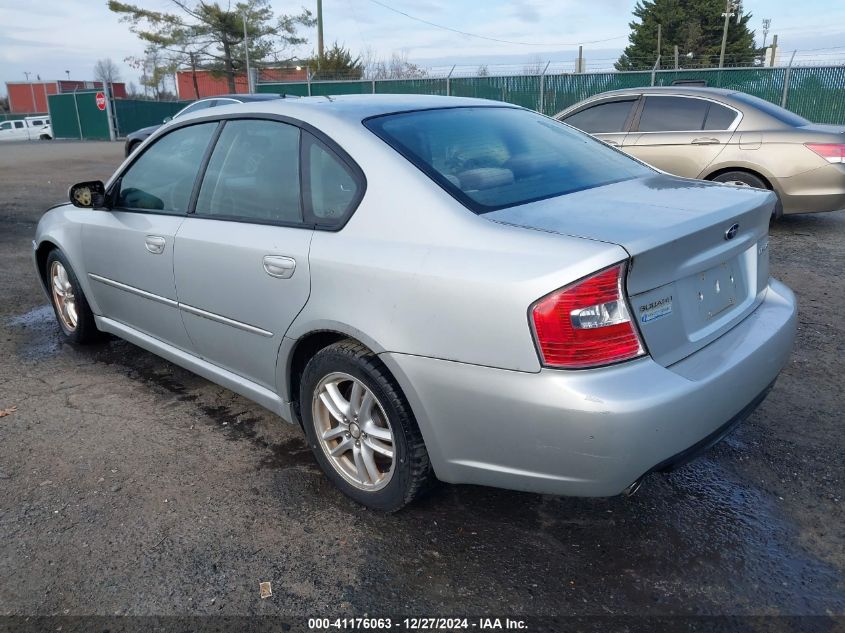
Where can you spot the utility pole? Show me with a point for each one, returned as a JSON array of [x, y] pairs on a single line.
[[728, 14], [580, 68], [767, 22], [659, 38], [246, 55], [774, 50], [320, 50], [676, 57]]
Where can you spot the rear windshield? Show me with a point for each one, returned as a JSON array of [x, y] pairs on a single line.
[[776, 112], [495, 157]]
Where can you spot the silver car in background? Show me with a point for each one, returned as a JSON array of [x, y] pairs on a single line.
[[434, 288]]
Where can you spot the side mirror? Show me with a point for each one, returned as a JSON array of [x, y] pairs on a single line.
[[166, 119], [88, 195]]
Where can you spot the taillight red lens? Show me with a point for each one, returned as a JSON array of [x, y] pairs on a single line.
[[831, 152], [586, 324]]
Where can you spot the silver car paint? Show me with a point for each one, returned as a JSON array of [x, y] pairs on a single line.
[[442, 295]]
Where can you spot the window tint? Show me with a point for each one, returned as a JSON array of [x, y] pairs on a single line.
[[18, 124], [673, 114], [719, 117], [6, 125], [332, 185], [495, 157], [605, 117], [781, 114], [253, 173], [163, 176]]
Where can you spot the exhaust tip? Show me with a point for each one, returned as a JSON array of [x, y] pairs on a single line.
[[631, 490]]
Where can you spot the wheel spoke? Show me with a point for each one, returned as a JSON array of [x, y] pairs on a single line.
[[340, 403], [370, 462], [378, 432], [327, 401], [363, 477], [379, 447], [333, 434], [364, 410], [58, 287], [341, 448], [61, 273], [355, 398]]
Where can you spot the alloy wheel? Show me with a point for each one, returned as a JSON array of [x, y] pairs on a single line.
[[63, 296], [353, 431]]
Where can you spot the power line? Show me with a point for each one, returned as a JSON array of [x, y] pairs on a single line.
[[484, 37]]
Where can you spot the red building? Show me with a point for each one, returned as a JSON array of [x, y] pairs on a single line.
[[209, 84], [30, 97]]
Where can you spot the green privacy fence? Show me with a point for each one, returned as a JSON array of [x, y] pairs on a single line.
[[76, 115], [817, 93], [133, 114]]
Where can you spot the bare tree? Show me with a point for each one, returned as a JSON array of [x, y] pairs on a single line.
[[397, 67], [106, 71], [482, 71]]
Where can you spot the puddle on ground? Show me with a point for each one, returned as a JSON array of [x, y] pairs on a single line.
[[41, 335], [41, 339]]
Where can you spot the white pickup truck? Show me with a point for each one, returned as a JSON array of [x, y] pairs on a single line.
[[30, 128]]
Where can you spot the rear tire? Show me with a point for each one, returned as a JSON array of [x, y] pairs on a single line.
[[750, 180], [76, 320], [354, 413]]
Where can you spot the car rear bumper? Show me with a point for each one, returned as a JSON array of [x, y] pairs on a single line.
[[593, 432], [821, 189]]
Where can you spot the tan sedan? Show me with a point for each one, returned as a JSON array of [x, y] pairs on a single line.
[[722, 135]]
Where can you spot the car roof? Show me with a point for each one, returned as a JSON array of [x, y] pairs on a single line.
[[245, 98], [669, 90], [355, 107]]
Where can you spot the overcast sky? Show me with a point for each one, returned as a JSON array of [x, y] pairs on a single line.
[[48, 37]]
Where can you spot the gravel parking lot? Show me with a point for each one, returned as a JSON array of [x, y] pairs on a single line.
[[130, 486]]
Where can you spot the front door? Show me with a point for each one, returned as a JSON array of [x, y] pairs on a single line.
[[681, 135], [128, 250], [241, 261]]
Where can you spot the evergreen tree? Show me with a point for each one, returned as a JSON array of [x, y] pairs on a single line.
[[337, 63], [695, 26]]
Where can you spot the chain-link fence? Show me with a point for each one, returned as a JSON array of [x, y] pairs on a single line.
[[814, 92]]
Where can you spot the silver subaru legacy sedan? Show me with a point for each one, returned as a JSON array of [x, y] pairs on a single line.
[[434, 288]]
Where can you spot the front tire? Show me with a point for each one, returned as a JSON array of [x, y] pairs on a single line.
[[76, 320], [361, 428]]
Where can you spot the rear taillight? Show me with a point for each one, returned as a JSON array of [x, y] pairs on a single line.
[[831, 152], [586, 324]]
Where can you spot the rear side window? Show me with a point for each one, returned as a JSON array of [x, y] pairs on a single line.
[[673, 114], [253, 173], [719, 117], [162, 178], [333, 189], [495, 157], [605, 117]]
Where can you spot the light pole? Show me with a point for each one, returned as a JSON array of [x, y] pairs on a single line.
[[67, 72], [246, 54], [31, 91], [728, 14]]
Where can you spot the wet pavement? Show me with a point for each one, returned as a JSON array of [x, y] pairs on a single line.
[[131, 486]]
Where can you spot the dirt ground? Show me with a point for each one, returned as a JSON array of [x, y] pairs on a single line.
[[130, 486]]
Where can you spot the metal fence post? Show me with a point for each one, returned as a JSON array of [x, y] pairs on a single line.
[[542, 88], [108, 94], [786, 77], [449, 82], [76, 107], [308, 78], [654, 69]]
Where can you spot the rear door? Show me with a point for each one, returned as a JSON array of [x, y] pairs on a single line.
[[128, 250], [241, 260], [681, 135], [607, 120]]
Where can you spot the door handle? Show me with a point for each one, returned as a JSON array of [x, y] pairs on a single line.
[[155, 244], [705, 140], [278, 266]]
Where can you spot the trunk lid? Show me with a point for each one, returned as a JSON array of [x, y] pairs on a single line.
[[691, 278]]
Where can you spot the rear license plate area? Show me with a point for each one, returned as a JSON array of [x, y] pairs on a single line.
[[716, 289]]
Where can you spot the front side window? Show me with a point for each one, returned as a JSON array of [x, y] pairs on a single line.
[[673, 114], [253, 173], [332, 187], [7, 125], [495, 157], [162, 178], [605, 117]]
